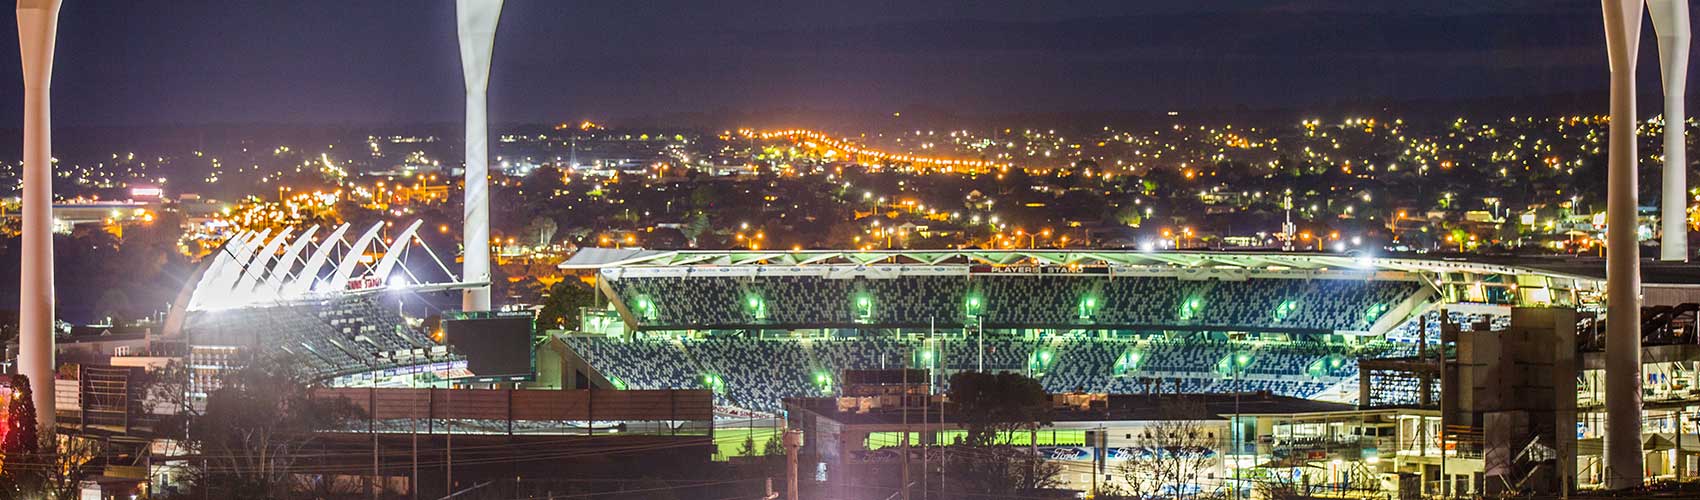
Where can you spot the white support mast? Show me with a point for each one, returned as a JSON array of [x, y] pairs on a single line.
[[38, 27], [1623, 265], [1670, 28], [476, 20]]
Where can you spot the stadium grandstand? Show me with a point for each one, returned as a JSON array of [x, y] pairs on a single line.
[[757, 327], [333, 305]]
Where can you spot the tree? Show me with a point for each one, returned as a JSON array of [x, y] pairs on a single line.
[[21, 435], [749, 447], [540, 231], [695, 227], [993, 405], [562, 304], [1172, 451], [998, 471], [113, 305], [28, 471], [72, 461], [256, 424], [56, 473]]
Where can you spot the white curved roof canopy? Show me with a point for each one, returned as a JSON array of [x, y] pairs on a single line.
[[255, 268], [274, 281], [258, 265], [304, 281]]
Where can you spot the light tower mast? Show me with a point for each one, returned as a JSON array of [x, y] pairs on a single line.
[[1623, 264], [476, 22], [1670, 29], [38, 27]]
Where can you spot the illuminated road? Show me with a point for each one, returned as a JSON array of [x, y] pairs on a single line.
[[817, 140]]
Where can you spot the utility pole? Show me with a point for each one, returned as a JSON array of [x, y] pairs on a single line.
[[372, 428], [1239, 387], [449, 441], [980, 331], [413, 426], [1440, 433], [926, 421], [904, 407], [793, 442]]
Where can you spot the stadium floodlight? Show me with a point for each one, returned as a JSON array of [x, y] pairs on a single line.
[[1375, 311], [864, 307], [1088, 307], [1242, 359], [823, 381], [1190, 307], [1039, 361], [757, 306], [1285, 309], [1127, 362]]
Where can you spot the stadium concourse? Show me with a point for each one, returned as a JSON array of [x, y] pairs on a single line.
[[757, 327]]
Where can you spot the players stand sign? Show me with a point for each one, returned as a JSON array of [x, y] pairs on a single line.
[[1038, 270]]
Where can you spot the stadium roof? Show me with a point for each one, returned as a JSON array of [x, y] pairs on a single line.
[[597, 258], [263, 267]]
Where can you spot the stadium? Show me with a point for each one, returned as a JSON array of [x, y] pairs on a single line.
[[706, 349], [758, 327]]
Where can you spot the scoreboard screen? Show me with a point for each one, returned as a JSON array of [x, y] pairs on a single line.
[[496, 347]]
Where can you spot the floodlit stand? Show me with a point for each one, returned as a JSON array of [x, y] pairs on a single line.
[[1623, 265], [476, 20], [1670, 28], [38, 26]]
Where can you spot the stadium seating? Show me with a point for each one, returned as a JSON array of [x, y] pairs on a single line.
[[660, 364], [708, 302], [1407, 331], [327, 337], [757, 374]]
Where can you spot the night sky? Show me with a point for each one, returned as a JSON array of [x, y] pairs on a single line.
[[396, 62]]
